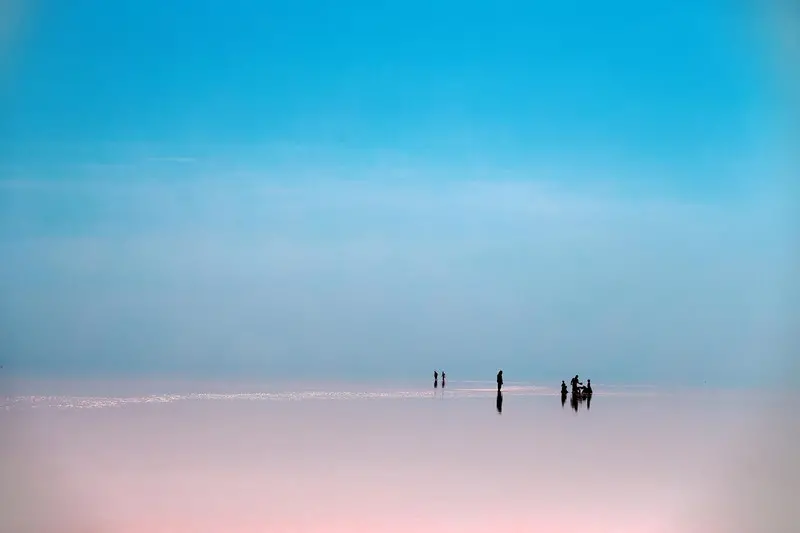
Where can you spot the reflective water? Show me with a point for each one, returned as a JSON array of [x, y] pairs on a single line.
[[246, 458]]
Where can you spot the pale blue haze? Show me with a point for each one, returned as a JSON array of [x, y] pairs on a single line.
[[371, 190]]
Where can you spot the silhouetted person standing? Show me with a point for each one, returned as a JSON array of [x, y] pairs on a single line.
[[499, 401], [563, 388], [499, 381], [443, 379], [575, 382], [435, 379], [588, 389]]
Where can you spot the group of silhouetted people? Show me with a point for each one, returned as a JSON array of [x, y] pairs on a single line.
[[579, 393], [578, 388]]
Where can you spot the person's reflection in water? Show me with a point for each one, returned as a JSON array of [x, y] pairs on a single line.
[[563, 399], [588, 402], [499, 402], [573, 401]]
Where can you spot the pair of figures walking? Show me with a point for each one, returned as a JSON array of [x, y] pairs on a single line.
[[436, 379]]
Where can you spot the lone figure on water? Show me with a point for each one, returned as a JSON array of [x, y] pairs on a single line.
[[499, 380], [435, 379], [443, 379]]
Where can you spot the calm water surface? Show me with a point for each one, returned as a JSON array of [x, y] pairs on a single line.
[[204, 457]]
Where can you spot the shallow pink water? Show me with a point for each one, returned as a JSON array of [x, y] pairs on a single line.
[[391, 460]]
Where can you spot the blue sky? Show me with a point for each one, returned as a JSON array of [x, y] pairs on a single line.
[[375, 189]]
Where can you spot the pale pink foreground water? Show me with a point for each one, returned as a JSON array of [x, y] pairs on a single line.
[[392, 459]]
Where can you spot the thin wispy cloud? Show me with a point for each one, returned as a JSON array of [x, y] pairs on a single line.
[[172, 159]]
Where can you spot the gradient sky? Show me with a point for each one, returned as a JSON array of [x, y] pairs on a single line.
[[372, 190]]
